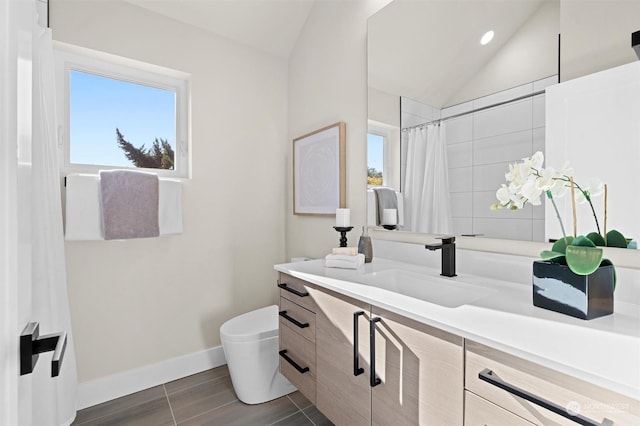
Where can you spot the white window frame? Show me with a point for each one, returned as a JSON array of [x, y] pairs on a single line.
[[73, 58]]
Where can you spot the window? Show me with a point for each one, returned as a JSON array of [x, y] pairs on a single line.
[[120, 113], [383, 155], [375, 159]]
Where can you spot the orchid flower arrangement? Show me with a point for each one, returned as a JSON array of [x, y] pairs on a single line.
[[527, 181]]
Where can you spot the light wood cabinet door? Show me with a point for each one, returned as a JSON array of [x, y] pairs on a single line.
[[421, 373], [480, 412], [504, 379], [340, 395], [296, 290], [298, 362], [298, 319]]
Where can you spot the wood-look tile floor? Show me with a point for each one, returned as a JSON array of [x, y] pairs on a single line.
[[205, 398]]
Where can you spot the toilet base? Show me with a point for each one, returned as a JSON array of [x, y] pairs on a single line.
[[255, 371]]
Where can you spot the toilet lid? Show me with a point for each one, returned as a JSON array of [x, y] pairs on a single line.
[[255, 325]]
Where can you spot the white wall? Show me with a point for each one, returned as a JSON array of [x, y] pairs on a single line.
[[140, 302], [530, 54], [593, 124], [328, 83], [596, 35]]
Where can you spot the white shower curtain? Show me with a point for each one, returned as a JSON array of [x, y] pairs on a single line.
[[427, 202], [54, 399]]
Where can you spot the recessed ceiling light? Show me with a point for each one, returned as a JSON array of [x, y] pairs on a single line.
[[487, 37]]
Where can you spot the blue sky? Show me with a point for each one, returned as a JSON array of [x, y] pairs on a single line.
[[375, 151], [99, 105]]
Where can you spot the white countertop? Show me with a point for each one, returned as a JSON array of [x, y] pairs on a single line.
[[604, 351]]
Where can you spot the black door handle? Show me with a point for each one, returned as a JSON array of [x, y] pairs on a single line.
[[374, 381], [301, 370], [488, 376], [284, 315], [32, 344], [284, 286], [357, 370]]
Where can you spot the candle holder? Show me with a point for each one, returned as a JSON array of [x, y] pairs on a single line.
[[390, 227], [343, 234]]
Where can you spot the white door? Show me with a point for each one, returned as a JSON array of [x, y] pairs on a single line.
[[15, 223]]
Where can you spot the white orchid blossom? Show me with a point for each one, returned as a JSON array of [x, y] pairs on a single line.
[[593, 188], [527, 181]]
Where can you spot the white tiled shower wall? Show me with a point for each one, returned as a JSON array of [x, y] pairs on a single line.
[[480, 147]]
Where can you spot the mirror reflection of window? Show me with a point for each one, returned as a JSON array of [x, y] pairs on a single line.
[[375, 159]]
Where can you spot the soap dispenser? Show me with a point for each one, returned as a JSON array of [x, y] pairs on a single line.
[[364, 245]]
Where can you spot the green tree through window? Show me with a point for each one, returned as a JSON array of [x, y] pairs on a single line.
[[159, 156], [374, 177]]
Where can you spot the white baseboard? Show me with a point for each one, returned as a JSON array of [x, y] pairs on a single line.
[[125, 383]]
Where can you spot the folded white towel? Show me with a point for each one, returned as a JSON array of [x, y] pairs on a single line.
[[349, 251], [344, 261]]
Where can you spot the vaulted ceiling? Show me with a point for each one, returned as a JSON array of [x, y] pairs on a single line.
[[271, 26]]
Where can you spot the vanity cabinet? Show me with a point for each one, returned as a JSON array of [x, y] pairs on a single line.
[[343, 397], [416, 376], [298, 335], [420, 369], [363, 365], [505, 383]]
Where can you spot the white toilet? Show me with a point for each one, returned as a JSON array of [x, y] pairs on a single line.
[[250, 343]]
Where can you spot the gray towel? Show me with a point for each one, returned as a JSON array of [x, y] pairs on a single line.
[[386, 198], [129, 204]]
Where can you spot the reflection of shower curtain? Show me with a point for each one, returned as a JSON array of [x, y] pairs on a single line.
[[54, 399], [427, 204]]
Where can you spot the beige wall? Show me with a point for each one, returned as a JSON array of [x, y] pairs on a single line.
[[139, 302], [596, 35], [328, 83]]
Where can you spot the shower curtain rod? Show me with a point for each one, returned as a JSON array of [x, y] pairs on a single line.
[[440, 120]]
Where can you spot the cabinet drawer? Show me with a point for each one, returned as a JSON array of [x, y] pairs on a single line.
[[298, 319], [302, 352], [295, 289], [480, 412], [575, 396]]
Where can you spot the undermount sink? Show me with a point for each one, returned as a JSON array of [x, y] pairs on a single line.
[[447, 292]]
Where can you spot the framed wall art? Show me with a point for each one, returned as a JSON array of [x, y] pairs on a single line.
[[319, 171]]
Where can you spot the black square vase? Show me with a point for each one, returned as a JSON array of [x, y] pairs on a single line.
[[558, 288]]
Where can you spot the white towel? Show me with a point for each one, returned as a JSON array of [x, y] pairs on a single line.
[[83, 218], [349, 251], [372, 208], [344, 261], [170, 207]]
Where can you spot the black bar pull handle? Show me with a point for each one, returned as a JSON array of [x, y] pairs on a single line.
[[284, 315], [488, 376], [301, 370], [357, 370], [374, 381], [284, 286], [32, 344]]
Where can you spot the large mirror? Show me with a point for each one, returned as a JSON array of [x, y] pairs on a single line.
[[427, 65]]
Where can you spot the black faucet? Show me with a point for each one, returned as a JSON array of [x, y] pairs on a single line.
[[448, 247]]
